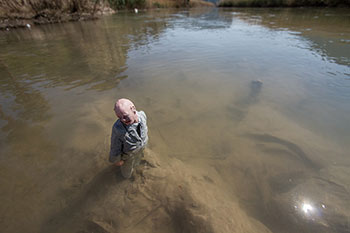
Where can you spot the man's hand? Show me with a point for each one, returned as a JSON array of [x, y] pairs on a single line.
[[119, 163]]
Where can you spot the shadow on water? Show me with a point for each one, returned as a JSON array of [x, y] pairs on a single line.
[[74, 214], [296, 151]]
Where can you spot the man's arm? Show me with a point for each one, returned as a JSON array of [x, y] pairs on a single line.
[[116, 147], [145, 128]]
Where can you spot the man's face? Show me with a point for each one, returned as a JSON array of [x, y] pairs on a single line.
[[127, 115]]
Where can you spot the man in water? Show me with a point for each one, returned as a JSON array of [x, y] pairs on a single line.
[[129, 136]]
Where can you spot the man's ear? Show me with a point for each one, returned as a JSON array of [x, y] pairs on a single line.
[[133, 108]]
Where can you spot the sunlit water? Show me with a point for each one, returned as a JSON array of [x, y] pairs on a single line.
[[281, 144]]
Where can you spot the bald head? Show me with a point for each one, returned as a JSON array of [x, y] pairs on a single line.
[[126, 111]]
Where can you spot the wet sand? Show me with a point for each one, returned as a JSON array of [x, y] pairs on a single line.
[[271, 166], [164, 195], [254, 177]]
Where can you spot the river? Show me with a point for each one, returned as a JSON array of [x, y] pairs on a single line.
[[261, 96]]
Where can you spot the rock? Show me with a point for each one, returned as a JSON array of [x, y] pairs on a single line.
[[256, 85]]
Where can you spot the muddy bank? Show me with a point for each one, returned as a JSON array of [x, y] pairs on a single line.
[[21, 13], [26, 13]]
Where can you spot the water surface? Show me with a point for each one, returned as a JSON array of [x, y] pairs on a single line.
[[280, 143]]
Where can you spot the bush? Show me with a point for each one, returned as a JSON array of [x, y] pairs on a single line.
[[157, 5], [127, 4]]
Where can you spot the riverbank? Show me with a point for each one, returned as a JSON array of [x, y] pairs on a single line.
[[25, 13], [284, 3]]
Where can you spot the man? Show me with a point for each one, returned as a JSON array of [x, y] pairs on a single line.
[[129, 136]]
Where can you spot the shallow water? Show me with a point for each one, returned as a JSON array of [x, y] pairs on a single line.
[[280, 145]]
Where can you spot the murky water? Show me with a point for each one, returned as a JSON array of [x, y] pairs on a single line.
[[281, 144]]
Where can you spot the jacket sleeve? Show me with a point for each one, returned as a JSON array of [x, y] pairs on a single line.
[[116, 147], [145, 128]]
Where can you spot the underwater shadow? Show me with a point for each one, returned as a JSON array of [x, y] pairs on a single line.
[[92, 191], [295, 150]]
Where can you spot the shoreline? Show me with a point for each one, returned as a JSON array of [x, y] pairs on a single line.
[[12, 23], [18, 15], [26, 15], [283, 4]]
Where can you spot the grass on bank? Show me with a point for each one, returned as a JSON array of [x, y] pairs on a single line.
[[283, 3]]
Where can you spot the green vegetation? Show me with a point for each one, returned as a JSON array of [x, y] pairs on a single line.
[[282, 3], [127, 4], [157, 5]]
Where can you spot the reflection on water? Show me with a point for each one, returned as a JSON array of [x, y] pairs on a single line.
[[260, 95], [74, 55], [316, 26]]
